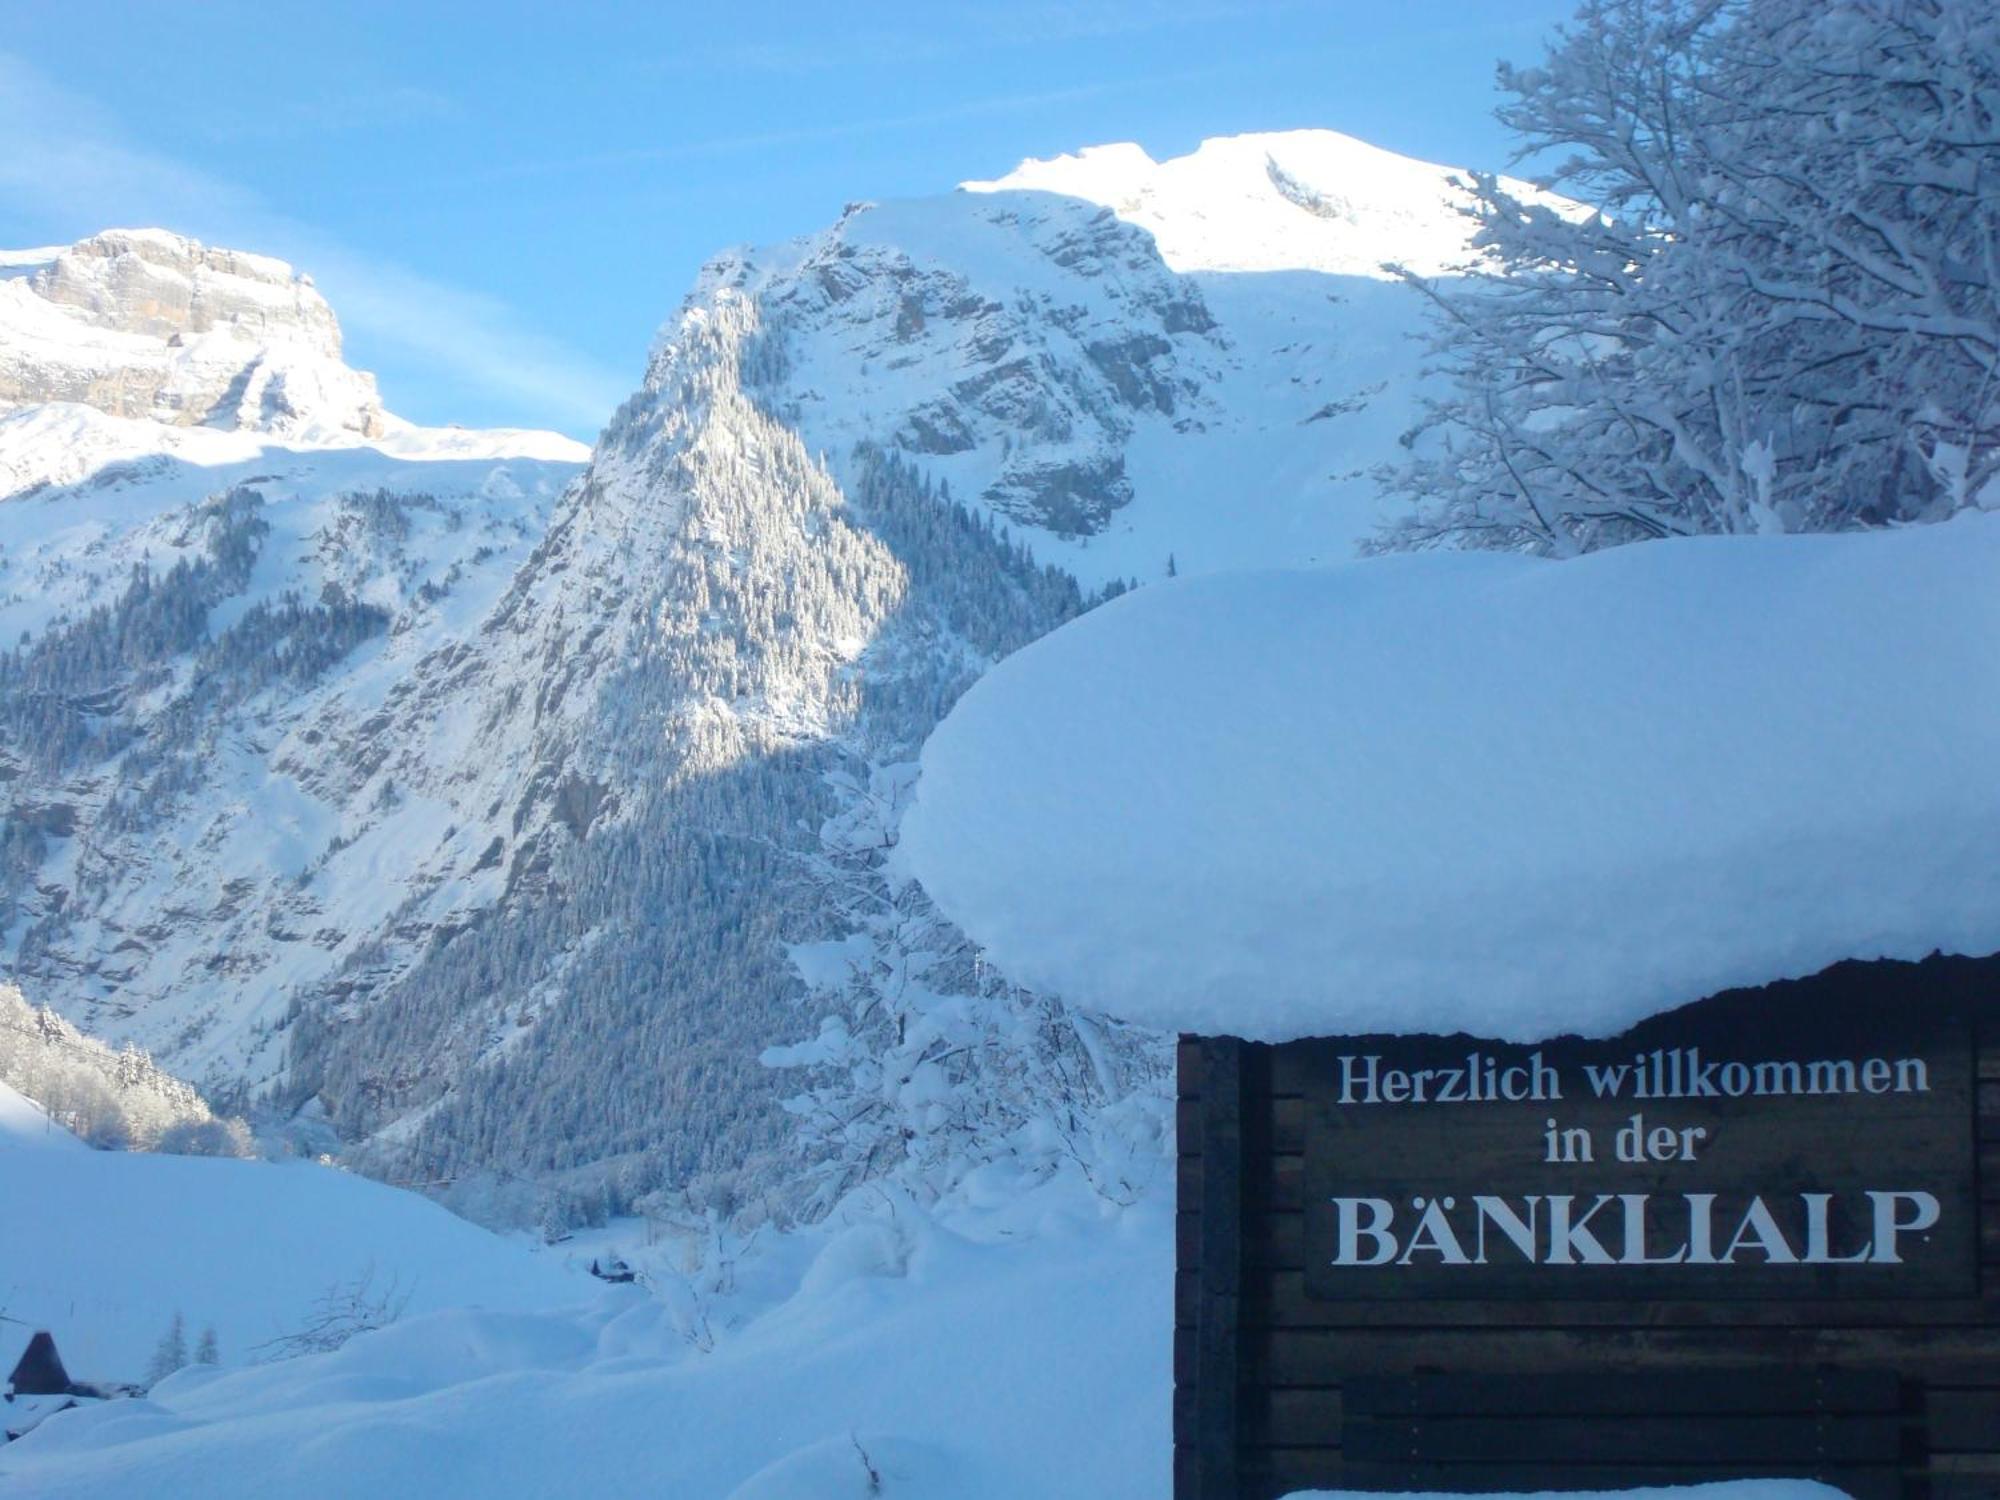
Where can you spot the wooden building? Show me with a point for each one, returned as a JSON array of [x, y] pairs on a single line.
[[1769, 1246]]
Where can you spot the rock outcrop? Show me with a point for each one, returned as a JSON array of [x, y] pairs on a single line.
[[144, 323]]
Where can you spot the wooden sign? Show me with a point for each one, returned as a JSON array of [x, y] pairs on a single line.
[[1749, 1238], [1711, 1156]]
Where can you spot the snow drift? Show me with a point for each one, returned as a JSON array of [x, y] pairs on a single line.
[[1485, 792]]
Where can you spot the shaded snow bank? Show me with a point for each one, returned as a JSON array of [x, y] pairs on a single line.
[[1485, 792]]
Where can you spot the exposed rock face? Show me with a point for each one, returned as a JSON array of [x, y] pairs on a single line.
[[1025, 336], [147, 281], [143, 323]]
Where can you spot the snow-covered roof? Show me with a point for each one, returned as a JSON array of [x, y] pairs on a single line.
[[1482, 792]]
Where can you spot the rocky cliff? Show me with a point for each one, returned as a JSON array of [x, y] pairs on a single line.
[[143, 323]]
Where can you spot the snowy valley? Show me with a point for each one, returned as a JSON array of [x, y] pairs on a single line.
[[519, 826]]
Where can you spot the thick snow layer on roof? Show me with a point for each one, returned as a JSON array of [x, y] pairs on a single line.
[[1485, 793]]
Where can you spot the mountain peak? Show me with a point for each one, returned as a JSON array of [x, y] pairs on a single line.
[[1309, 200], [152, 324]]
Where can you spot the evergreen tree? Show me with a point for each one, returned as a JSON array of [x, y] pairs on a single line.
[[171, 1354]]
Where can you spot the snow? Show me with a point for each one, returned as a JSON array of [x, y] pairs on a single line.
[[102, 1248], [51, 444], [1025, 1355], [85, 497], [1307, 379], [25, 1125], [1484, 792], [1306, 200], [26, 262]]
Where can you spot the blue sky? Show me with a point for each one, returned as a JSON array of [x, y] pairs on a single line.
[[504, 200]]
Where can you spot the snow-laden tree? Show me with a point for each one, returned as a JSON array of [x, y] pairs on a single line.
[[117, 1100], [171, 1353], [1775, 309], [927, 1064]]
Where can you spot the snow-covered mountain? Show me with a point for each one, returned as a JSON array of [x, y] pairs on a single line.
[[142, 323], [211, 533], [508, 822], [1297, 200]]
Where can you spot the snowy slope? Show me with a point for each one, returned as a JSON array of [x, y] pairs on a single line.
[[1485, 792], [237, 845], [102, 1248], [1129, 361], [24, 1124]]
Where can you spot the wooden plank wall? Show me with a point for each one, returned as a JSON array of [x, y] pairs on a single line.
[[1261, 1371]]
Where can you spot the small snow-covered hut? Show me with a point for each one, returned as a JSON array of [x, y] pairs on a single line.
[[38, 1386]]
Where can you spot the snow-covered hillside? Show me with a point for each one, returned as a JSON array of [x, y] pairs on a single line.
[[1109, 379], [103, 1248], [511, 823], [1004, 1356], [24, 1123], [187, 585]]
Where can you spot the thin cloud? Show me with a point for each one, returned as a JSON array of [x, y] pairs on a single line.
[[794, 58], [401, 107], [67, 162], [1019, 25], [840, 129], [1056, 21]]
